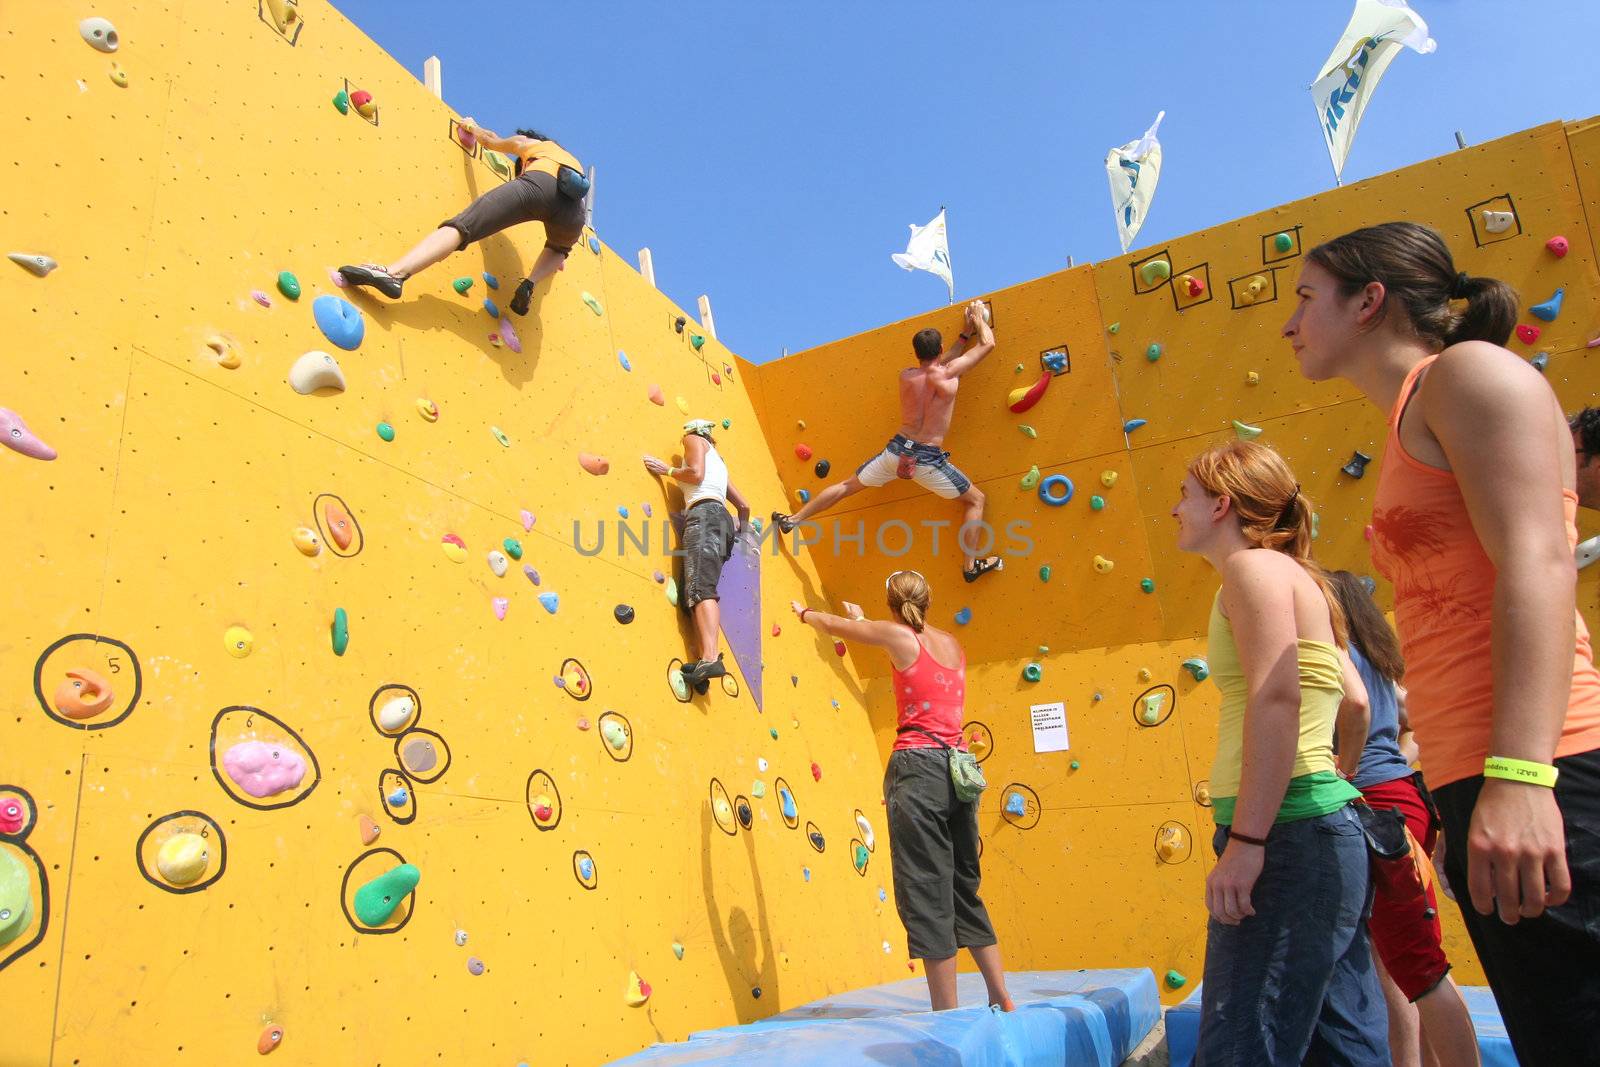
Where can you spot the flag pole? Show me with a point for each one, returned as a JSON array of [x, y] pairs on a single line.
[[952, 290]]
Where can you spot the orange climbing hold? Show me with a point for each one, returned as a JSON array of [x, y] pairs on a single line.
[[656, 396], [341, 527], [369, 829], [270, 1039], [595, 465], [83, 695]]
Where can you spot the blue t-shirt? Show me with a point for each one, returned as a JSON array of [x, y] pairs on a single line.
[[1381, 760]]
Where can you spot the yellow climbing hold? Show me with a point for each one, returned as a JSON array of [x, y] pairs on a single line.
[[1108, 478], [1169, 842], [1252, 378], [183, 858], [224, 351], [238, 641], [1144, 674], [307, 541], [1254, 289], [1246, 432], [593, 302], [1103, 565], [683, 405], [638, 990]]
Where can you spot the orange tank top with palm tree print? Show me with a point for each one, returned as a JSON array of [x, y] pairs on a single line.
[[1422, 540]]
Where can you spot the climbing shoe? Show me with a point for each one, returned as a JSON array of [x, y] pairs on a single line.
[[783, 522], [983, 566], [700, 673], [375, 276], [524, 294]]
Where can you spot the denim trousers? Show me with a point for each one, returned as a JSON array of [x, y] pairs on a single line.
[[1295, 983]]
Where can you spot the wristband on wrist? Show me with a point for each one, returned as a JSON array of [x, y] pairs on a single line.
[[1234, 835], [803, 613], [1518, 770]]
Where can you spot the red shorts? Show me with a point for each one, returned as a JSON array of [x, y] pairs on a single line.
[[1405, 908]]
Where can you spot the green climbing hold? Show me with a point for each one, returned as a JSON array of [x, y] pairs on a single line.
[[1032, 672], [680, 686], [593, 302], [377, 900], [1044, 650], [1096, 502], [1044, 573], [859, 856], [386, 431], [774, 733], [1282, 242], [1147, 584], [1153, 353], [461, 285], [513, 547], [500, 435], [1174, 979], [1150, 707], [1157, 270], [1246, 432], [288, 285], [339, 632], [1028, 431], [1074, 765], [1115, 327], [1030, 479], [672, 591], [16, 897], [677, 949], [727, 424], [341, 100], [696, 341], [1198, 667]]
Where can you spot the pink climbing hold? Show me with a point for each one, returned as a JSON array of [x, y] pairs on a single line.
[[716, 379], [1557, 246], [500, 606], [776, 629], [508, 334], [261, 298], [1527, 334], [527, 519], [15, 435], [336, 278], [263, 769], [656, 396]]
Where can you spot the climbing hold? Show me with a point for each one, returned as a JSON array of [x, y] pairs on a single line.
[[500, 435], [1357, 465], [461, 285], [656, 396], [1147, 585], [1549, 309], [1074, 765], [1155, 271], [262, 768], [963, 616], [1252, 378], [1586, 553], [270, 1039], [1254, 289], [527, 519], [583, 868], [1527, 334], [182, 858], [1150, 707], [1097, 502], [671, 591], [83, 695], [339, 320], [474, 966], [500, 605], [1282, 242], [593, 302], [1044, 573], [118, 76], [1245, 431], [1032, 672], [1108, 478], [368, 828], [16, 897], [803, 453], [15, 435], [1557, 246], [859, 856], [1132, 425], [1197, 668], [1144, 674], [622, 358], [461, 938], [1497, 221], [838, 649], [339, 631], [315, 370], [1153, 353], [758, 789], [726, 423], [1024, 397], [638, 990], [615, 733], [1175, 980], [1030, 479], [786, 805], [1056, 490], [550, 601], [454, 549], [508, 334], [427, 409], [306, 540], [816, 771], [238, 641], [1540, 361], [498, 562], [513, 547], [341, 527], [261, 298], [1103, 565], [1015, 804], [683, 405], [396, 713], [595, 465], [822, 468], [1028, 431], [804, 495], [491, 309], [399, 798], [32, 262], [362, 101], [341, 100], [386, 431], [288, 285], [99, 34], [1191, 286], [696, 341], [490, 280], [376, 901]]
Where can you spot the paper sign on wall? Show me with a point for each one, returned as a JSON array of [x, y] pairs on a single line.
[[1049, 727]]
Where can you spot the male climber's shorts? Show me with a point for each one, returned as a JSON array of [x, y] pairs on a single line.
[[707, 545], [927, 465], [530, 198]]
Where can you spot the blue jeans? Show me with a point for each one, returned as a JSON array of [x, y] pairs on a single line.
[[1295, 981]]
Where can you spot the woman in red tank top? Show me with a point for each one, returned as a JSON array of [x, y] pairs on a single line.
[[1473, 524], [933, 834]]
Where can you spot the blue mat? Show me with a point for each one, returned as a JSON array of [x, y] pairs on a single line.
[[1183, 1028], [1074, 1018]]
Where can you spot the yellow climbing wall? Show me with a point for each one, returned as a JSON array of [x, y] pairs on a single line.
[[1079, 879], [166, 523]]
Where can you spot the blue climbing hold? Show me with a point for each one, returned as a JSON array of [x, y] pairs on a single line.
[[804, 494], [594, 245], [340, 321], [1056, 490], [1132, 425], [963, 616], [1054, 362], [586, 868], [1550, 308], [398, 798], [1015, 805], [1540, 361], [622, 510], [805, 872], [786, 804], [490, 308], [550, 602], [490, 280], [622, 358]]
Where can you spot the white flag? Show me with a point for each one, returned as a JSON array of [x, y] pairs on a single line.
[[929, 250], [1378, 30], [1134, 170]]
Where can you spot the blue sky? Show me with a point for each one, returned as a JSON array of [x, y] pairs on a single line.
[[773, 154]]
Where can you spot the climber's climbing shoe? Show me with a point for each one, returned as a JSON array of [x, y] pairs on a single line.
[[783, 522], [375, 276], [524, 294], [983, 566]]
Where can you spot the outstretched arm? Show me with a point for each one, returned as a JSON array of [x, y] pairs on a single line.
[[884, 634], [965, 355], [495, 143]]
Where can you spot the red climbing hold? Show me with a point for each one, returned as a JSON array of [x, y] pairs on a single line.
[[776, 630], [1557, 246], [803, 452], [1527, 334], [816, 771], [838, 647]]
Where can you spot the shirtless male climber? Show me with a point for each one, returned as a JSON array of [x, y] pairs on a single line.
[[549, 188], [927, 401]]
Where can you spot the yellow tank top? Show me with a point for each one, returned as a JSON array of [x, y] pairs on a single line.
[[1321, 690], [547, 157]]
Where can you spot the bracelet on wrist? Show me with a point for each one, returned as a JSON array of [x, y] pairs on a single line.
[[803, 613], [1234, 835], [1517, 770]]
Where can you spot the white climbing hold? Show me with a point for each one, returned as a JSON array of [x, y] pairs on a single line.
[[37, 264], [316, 370], [395, 713], [99, 34], [1498, 221], [498, 563], [1588, 551]]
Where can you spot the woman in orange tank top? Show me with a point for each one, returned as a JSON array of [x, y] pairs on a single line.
[[933, 833], [1473, 523]]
